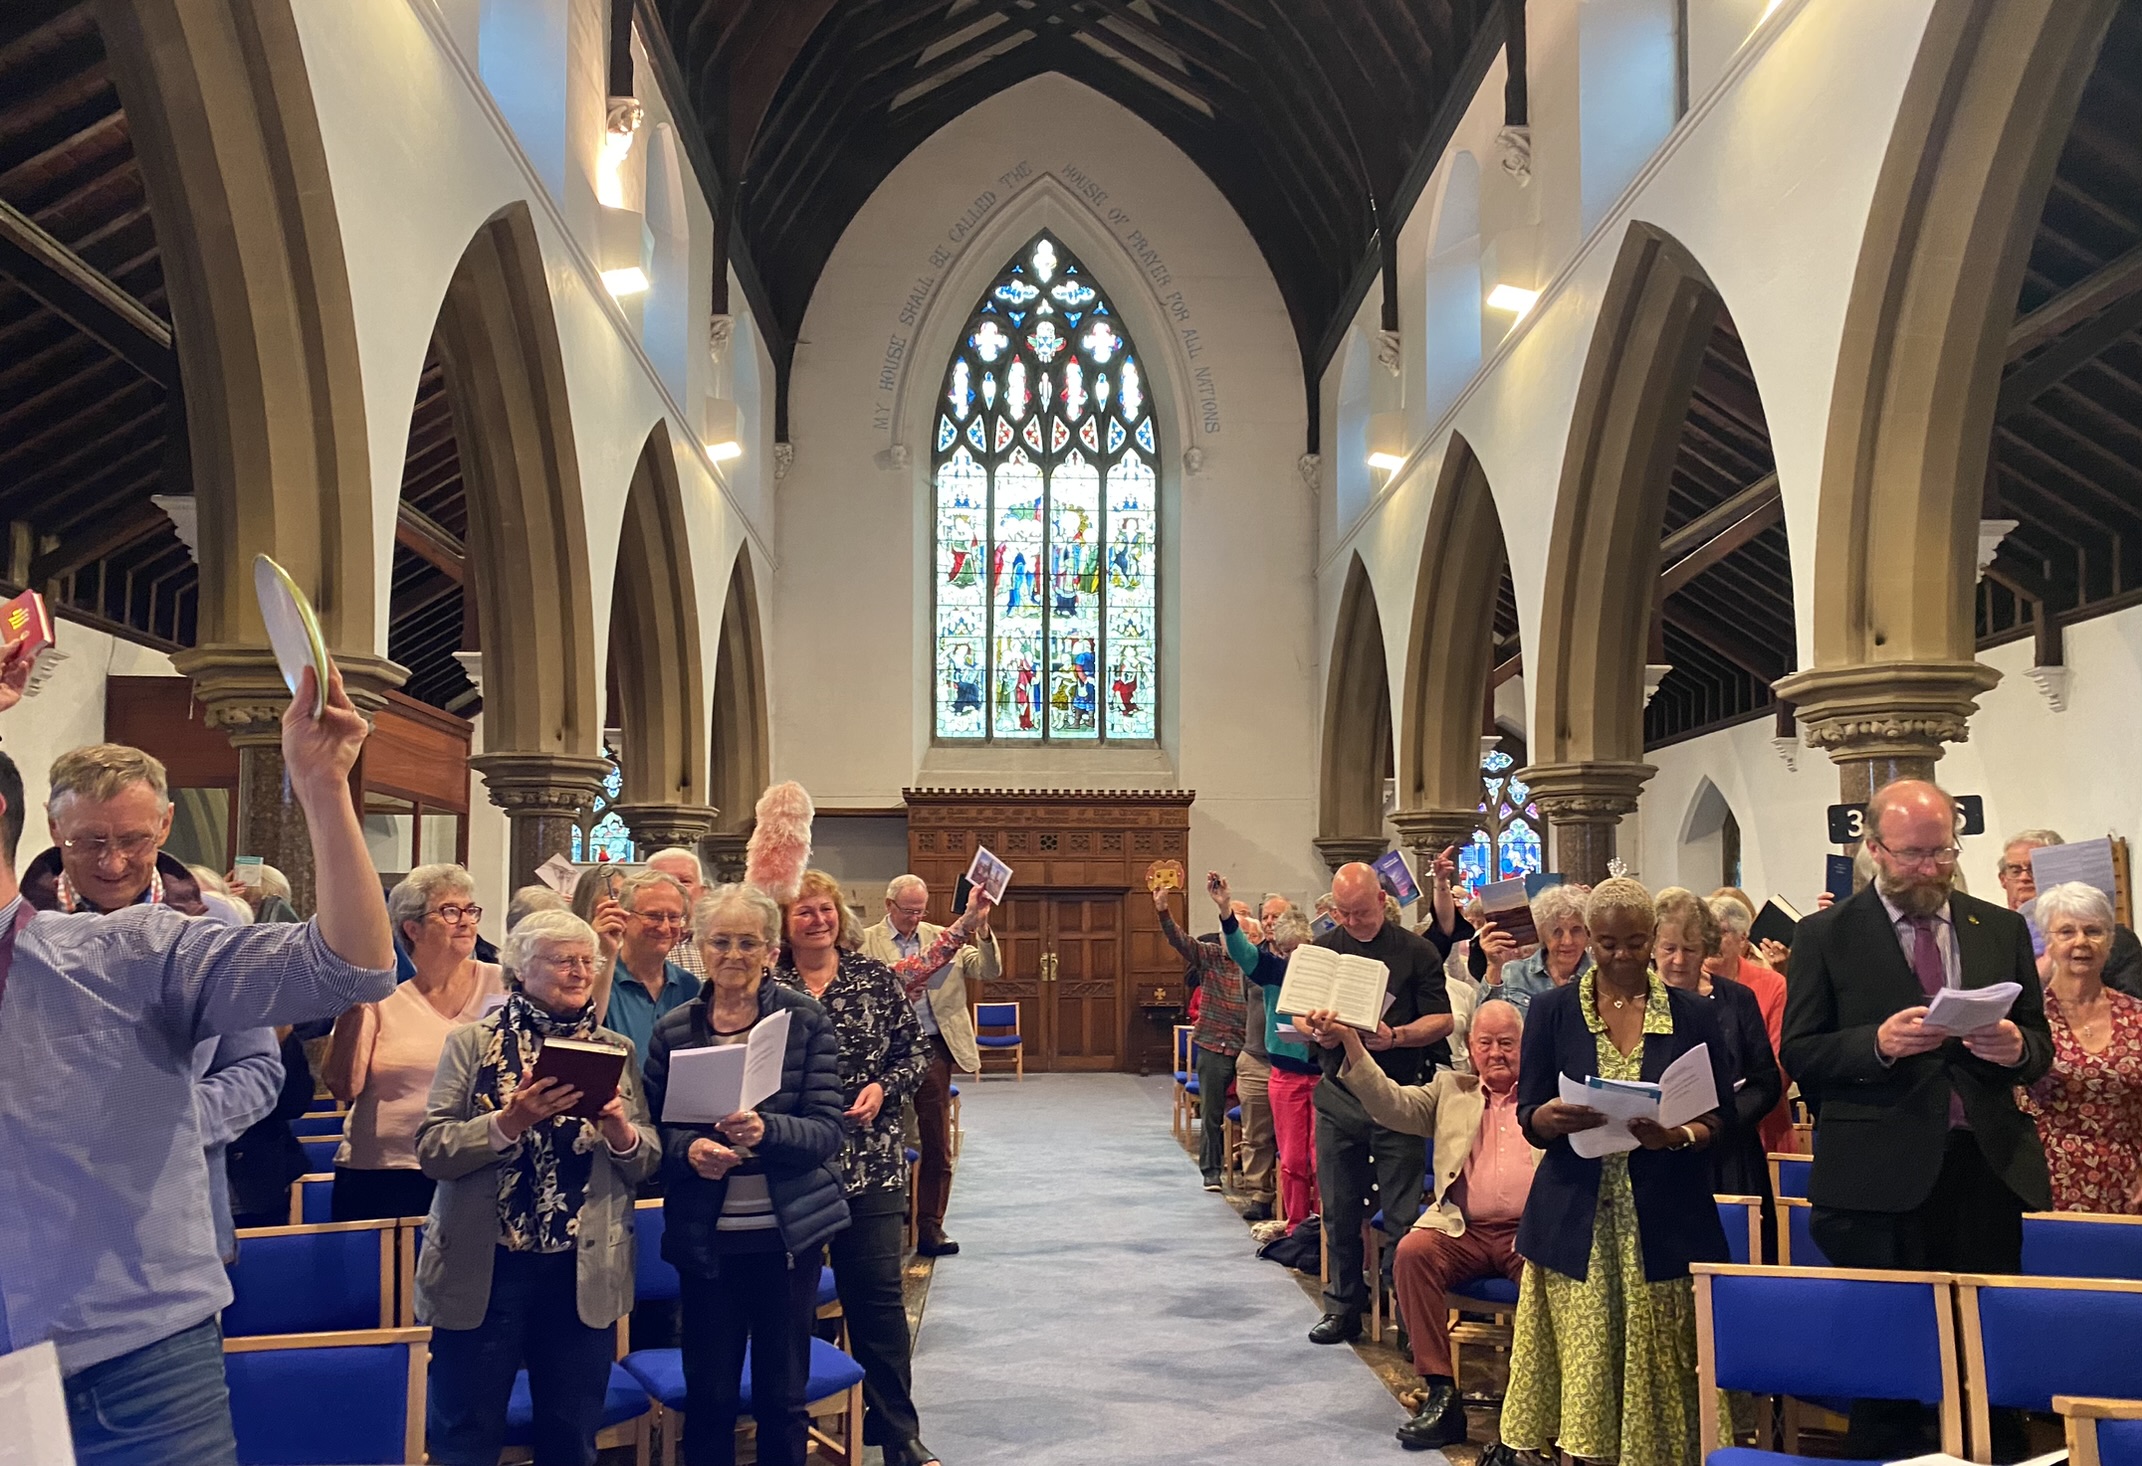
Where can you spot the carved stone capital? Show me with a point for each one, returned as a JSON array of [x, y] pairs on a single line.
[[1586, 793], [1193, 461], [622, 116], [719, 329], [1388, 355], [1427, 831], [657, 826], [1310, 467], [240, 688], [1887, 711], [542, 783], [784, 459], [724, 856], [1339, 850], [1513, 149]]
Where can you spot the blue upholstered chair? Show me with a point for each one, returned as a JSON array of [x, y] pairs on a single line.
[[956, 1131], [312, 1199], [1827, 1333], [1184, 1048], [660, 1372], [331, 1399], [336, 1276], [320, 1151], [2101, 1432], [1796, 1245], [2068, 1244], [997, 1034], [1742, 1217], [627, 1415], [1788, 1174], [2026, 1340], [313, 1127]]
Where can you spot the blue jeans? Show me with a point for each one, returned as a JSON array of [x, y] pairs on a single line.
[[532, 1321], [164, 1404]]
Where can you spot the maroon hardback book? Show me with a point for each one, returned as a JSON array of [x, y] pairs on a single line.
[[591, 1068]]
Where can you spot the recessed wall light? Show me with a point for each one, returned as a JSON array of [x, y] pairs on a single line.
[[1512, 298], [1388, 462]]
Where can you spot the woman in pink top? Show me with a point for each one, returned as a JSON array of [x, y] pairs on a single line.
[[385, 1053]]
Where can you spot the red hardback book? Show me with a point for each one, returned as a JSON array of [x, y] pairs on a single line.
[[591, 1068], [26, 618]]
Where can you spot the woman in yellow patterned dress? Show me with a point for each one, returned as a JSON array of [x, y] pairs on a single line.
[[1604, 1361]]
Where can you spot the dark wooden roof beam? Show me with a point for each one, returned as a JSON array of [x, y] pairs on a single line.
[[423, 537], [1136, 65], [66, 283], [1756, 661], [904, 89], [1698, 532], [116, 533], [2100, 292]]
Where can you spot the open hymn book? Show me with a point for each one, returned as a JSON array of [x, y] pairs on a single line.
[[1352, 987], [710, 1084]]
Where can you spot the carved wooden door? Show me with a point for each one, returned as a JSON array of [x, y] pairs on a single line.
[[1083, 982]]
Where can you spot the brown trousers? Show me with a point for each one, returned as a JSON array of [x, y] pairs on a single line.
[[933, 1118], [1259, 1155], [1429, 1264]]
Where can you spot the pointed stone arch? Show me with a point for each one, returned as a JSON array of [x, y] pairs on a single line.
[[527, 538], [1992, 96], [1357, 728], [743, 746], [1450, 649], [1601, 587], [655, 654]]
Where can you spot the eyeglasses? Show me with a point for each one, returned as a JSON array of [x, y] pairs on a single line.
[[741, 946], [455, 915], [2012, 868], [96, 847], [1914, 855], [659, 918], [571, 964]]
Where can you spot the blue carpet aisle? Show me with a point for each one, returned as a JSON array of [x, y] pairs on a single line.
[[1104, 1309]]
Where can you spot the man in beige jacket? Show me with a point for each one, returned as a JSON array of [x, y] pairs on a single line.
[[1482, 1172], [945, 1010]]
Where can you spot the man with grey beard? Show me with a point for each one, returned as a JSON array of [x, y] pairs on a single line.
[[1922, 1159]]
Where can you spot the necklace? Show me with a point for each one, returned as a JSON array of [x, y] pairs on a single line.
[[63, 893]]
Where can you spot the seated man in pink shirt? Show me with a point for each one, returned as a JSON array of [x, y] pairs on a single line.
[[1483, 1171]]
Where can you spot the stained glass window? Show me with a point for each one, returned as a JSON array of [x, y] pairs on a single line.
[[1507, 840], [601, 835], [1048, 527]]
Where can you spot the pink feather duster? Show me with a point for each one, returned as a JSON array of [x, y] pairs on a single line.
[[780, 847]]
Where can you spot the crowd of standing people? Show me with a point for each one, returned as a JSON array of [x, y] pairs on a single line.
[[1928, 1147]]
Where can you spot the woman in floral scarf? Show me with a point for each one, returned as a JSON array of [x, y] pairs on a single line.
[[505, 1280]]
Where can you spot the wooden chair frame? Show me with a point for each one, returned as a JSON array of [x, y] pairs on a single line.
[[1180, 1045], [847, 1449], [1017, 1051], [389, 1259], [1774, 1159], [1968, 1287], [418, 1340], [1754, 1205], [1952, 1406], [297, 1194], [1784, 1205], [2080, 1415]]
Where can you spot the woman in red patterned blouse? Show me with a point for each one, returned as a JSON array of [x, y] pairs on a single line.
[[2089, 1108]]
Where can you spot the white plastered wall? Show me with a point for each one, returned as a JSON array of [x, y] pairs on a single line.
[[1777, 228], [851, 643]]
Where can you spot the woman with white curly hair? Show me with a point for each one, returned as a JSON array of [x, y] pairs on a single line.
[[2089, 1106], [1603, 1363], [1562, 956]]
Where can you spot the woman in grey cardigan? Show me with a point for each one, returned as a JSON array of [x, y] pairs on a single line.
[[528, 1256]]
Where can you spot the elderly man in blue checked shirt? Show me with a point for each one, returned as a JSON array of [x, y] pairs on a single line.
[[107, 1247]]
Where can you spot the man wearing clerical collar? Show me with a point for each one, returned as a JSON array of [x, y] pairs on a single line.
[[109, 812]]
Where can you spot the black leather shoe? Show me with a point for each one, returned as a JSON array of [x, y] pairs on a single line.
[[1257, 1211], [910, 1453], [1336, 1328], [1499, 1454], [1439, 1422], [936, 1247]]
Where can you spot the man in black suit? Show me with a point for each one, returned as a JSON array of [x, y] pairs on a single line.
[[1922, 1159]]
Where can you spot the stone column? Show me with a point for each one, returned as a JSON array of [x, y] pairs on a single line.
[[241, 691], [1428, 832], [1887, 720], [543, 795], [1583, 802], [1339, 850], [658, 826], [724, 856]]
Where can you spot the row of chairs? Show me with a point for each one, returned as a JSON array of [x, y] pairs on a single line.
[[320, 1305], [1964, 1344]]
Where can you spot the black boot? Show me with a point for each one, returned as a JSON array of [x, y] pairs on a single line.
[[1440, 1421], [1336, 1328]]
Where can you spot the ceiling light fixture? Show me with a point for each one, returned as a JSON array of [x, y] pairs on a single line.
[[724, 451], [632, 280], [1513, 298], [1388, 462]]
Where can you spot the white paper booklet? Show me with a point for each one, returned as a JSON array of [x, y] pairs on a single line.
[[706, 1085], [1685, 1092], [1352, 987], [2088, 861], [1967, 1010], [34, 1406]]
